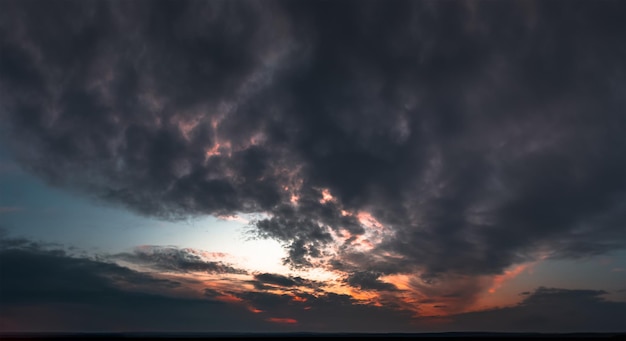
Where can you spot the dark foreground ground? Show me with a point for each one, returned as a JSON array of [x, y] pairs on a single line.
[[242, 336]]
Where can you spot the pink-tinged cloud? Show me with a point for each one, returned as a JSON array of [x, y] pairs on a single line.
[[444, 170], [506, 276], [368, 220], [326, 196], [298, 299], [282, 320], [229, 299], [255, 310]]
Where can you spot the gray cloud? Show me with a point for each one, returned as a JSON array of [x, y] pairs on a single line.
[[369, 281], [331, 313], [478, 133], [45, 289], [47, 292], [280, 280], [549, 310], [176, 260], [26, 265]]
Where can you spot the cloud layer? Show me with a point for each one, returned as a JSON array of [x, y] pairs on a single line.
[[172, 259], [440, 139], [46, 289]]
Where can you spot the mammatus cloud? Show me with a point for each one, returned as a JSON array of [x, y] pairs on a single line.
[[438, 139]]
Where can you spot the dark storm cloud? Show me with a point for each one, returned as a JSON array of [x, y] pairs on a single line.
[[176, 260], [368, 280], [47, 290], [477, 133], [302, 230], [544, 310], [22, 243], [133, 89], [276, 279], [331, 312], [549, 310], [269, 281], [35, 273], [44, 289]]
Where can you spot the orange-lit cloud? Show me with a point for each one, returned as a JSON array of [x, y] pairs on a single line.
[[298, 299], [282, 320], [294, 199], [254, 310], [507, 275], [446, 296], [228, 298], [374, 231], [326, 196], [219, 148], [213, 151], [512, 273], [368, 220]]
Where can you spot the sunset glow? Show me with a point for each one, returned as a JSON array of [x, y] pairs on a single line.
[[271, 167]]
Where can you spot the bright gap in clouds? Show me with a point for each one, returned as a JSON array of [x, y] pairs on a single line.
[[264, 255], [224, 235], [52, 215]]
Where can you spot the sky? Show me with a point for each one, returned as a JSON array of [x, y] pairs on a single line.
[[321, 166]]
